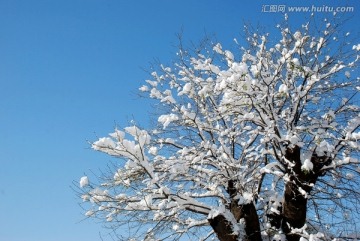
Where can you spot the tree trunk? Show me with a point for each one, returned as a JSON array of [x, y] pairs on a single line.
[[294, 205], [295, 202], [223, 228], [294, 210], [252, 225]]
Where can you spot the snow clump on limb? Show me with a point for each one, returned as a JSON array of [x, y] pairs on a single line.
[[84, 181], [307, 165]]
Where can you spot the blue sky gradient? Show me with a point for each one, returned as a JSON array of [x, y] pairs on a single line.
[[69, 72]]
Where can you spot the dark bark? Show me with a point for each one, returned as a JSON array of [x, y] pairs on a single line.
[[223, 228], [275, 218], [246, 211], [295, 203], [292, 211], [252, 225]]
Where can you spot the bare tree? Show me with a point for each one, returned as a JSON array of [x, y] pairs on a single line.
[[263, 146]]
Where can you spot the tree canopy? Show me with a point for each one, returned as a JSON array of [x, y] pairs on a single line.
[[260, 143]]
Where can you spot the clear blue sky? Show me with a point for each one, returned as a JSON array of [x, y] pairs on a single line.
[[69, 71]]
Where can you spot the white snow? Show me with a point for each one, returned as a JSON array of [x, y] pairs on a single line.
[[154, 93], [216, 212], [356, 47], [89, 213], [296, 61], [279, 237], [325, 147], [307, 165], [229, 55], [218, 48], [356, 135], [320, 43], [316, 237], [167, 119], [84, 181], [144, 88], [175, 227], [297, 35], [283, 89], [104, 142], [132, 130], [347, 74], [153, 150], [246, 198], [186, 89], [249, 116]]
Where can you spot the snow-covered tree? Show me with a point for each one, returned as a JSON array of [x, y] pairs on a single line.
[[261, 143]]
